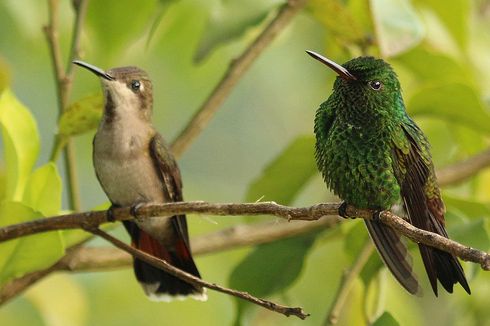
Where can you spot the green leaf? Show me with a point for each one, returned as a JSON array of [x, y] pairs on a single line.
[[28, 254], [454, 15], [338, 19], [270, 268], [285, 176], [273, 267], [43, 190], [386, 319], [114, 24], [21, 143], [454, 102], [398, 26], [160, 11], [4, 75], [429, 65], [229, 20], [355, 240], [472, 234], [82, 116]]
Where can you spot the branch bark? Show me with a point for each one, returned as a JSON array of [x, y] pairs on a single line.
[[63, 85], [236, 70], [163, 265], [461, 171], [310, 213], [81, 259]]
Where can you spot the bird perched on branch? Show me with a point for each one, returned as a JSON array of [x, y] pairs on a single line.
[[135, 166], [373, 155]]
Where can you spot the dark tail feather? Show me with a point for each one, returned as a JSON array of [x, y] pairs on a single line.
[[157, 284], [442, 265], [394, 254]]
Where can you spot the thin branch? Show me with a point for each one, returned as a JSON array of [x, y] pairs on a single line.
[[461, 171], [347, 283], [95, 218], [310, 213], [236, 70], [63, 85], [436, 241], [163, 265], [80, 259]]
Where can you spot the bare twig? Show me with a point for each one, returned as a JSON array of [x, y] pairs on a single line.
[[80, 259], [461, 171], [347, 283], [315, 212], [236, 70], [163, 265], [436, 241], [63, 83]]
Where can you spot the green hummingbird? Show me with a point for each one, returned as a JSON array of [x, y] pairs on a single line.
[[373, 156]]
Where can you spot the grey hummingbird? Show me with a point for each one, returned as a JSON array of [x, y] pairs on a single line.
[[134, 166]]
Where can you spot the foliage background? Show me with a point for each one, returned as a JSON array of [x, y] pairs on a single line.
[[257, 146]]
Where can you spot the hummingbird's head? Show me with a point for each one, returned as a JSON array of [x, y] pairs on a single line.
[[127, 91], [366, 85]]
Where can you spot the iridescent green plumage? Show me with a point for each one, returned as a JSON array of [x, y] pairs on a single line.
[[372, 155]]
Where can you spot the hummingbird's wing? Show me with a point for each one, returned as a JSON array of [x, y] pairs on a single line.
[[420, 193], [169, 173]]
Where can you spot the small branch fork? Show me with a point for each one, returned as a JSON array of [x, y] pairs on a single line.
[[161, 264]]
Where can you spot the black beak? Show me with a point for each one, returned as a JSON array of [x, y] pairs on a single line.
[[341, 71], [99, 72]]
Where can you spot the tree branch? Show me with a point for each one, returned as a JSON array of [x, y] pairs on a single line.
[[236, 70], [310, 213], [63, 86], [80, 259], [163, 265], [461, 171], [347, 283]]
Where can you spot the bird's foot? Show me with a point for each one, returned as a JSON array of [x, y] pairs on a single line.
[[110, 216], [134, 210], [376, 215], [343, 210]]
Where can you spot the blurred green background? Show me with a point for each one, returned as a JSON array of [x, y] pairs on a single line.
[[259, 146]]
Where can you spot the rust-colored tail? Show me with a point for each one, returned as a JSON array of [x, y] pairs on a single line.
[[157, 284]]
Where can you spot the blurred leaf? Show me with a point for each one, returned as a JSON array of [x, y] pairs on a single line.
[[114, 23], [471, 209], [270, 268], [354, 242], [454, 15], [284, 177], [81, 116], [338, 19], [43, 190], [455, 102], [4, 75], [428, 65], [64, 291], [21, 256], [386, 319], [159, 13], [21, 143], [229, 20], [397, 25], [472, 234], [273, 267]]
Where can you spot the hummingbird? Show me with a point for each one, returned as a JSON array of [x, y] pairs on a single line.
[[134, 165], [374, 156]]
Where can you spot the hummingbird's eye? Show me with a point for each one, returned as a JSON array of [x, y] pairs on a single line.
[[376, 85], [135, 85]]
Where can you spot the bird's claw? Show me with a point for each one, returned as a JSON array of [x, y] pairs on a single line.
[[343, 210], [376, 215], [134, 210], [110, 216]]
